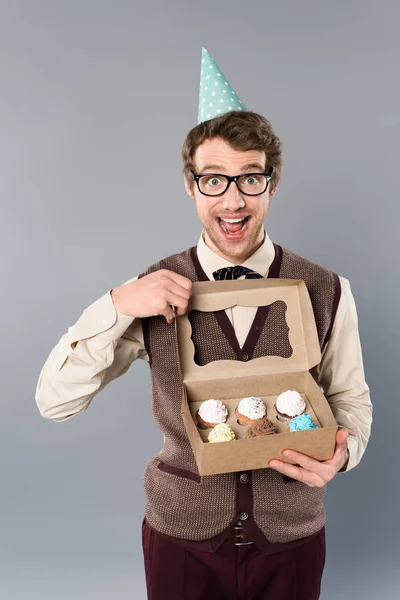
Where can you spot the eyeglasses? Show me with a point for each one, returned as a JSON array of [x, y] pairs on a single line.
[[216, 184]]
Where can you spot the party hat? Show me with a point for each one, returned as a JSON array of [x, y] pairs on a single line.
[[216, 95]]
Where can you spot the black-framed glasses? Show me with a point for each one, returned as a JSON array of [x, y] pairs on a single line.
[[216, 184]]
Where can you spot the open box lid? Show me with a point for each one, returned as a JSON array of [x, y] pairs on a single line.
[[219, 295]]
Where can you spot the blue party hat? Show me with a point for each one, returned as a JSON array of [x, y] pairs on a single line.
[[216, 95]]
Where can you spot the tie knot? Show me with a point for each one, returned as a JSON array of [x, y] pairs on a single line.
[[235, 272]]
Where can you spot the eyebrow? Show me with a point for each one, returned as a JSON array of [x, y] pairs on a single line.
[[220, 168]]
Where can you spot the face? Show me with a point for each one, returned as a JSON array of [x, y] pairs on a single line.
[[233, 241]]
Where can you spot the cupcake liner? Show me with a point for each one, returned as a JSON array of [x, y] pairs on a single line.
[[201, 424], [280, 416], [283, 418], [242, 420]]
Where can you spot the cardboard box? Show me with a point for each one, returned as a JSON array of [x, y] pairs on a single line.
[[265, 377]]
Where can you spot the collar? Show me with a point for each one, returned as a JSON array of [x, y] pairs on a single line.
[[259, 261]]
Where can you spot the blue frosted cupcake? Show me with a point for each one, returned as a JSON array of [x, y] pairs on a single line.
[[302, 423]]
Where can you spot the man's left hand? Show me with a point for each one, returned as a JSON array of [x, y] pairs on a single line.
[[313, 472]]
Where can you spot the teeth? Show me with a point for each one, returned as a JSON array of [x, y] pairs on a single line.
[[233, 220]]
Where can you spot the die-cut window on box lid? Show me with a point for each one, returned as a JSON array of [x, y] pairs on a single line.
[[269, 333]]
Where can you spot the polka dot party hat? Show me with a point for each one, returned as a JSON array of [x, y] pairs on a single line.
[[216, 94]]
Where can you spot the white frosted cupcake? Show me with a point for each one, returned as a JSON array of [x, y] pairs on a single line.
[[289, 404], [210, 413], [249, 410]]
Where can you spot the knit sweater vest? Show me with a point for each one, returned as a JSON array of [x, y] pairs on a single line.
[[179, 502]]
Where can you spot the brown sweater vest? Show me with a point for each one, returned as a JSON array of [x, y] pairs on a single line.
[[279, 512]]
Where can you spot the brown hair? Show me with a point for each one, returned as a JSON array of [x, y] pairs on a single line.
[[243, 130]]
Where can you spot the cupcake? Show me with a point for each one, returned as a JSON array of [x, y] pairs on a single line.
[[261, 427], [289, 404], [302, 423], [221, 433], [210, 413], [249, 410]]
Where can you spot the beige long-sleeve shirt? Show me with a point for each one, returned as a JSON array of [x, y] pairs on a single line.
[[103, 344]]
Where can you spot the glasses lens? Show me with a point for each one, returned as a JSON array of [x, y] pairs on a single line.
[[212, 184], [253, 184]]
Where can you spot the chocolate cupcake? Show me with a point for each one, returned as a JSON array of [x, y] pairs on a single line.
[[262, 426]]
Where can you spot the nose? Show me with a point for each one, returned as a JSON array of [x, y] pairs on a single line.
[[232, 199]]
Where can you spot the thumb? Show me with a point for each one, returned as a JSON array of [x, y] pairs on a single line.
[[342, 437], [341, 444]]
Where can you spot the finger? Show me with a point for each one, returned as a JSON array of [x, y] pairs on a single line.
[[179, 302], [162, 304], [298, 473], [177, 289], [179, 279], [163, 308], [324, 471], [170, 314]]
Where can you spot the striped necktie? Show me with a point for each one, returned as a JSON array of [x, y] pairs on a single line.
[[235, 272]]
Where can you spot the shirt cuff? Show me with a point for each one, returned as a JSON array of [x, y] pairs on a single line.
[[101, 317]]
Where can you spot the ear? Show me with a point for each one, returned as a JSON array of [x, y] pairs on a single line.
[[275, 188], [189, 188]]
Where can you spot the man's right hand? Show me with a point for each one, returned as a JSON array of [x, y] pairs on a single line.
[[154, 294]]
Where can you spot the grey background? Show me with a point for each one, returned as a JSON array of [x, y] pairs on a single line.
[[96, 100]]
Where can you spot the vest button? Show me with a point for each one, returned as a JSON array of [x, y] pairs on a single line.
[[244, 478], [243, 516], [245, 356]]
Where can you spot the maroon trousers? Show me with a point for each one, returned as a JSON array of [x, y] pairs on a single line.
[[176, 572]]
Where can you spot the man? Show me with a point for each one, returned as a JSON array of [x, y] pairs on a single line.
[[256, 534]]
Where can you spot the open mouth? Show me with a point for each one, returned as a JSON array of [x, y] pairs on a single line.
[[233, 226]]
